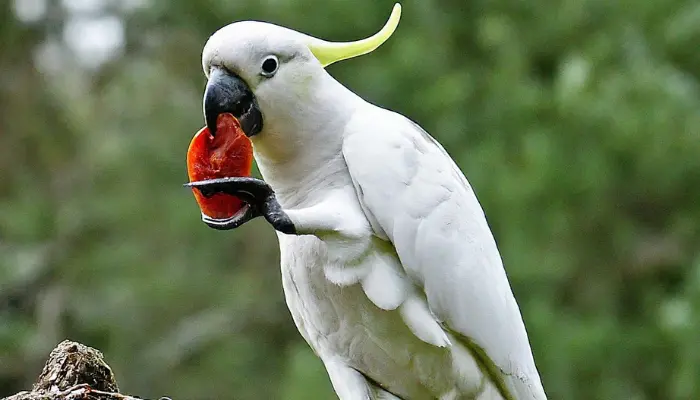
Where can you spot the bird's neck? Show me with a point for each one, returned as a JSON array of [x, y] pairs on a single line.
[[302, 156]]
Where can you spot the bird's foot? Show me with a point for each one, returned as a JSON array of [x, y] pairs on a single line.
[[256, 193]]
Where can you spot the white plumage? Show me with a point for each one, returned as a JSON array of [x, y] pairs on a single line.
[[425, 207], [393, 277]]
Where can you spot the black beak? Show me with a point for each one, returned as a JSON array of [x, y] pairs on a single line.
[[228, 93]]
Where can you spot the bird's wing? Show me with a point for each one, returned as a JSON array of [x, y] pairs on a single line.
[[415, 196]]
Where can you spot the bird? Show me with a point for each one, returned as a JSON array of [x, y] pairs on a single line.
[[389, 268]]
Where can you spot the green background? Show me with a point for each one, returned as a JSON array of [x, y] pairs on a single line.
[[576, 121]]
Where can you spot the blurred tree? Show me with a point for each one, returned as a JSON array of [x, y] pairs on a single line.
[[576, 121]]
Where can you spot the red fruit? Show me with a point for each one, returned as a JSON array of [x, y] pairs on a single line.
[[227, 154]]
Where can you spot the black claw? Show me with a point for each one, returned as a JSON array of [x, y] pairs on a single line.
[[235, 186], [256, 193], [277, 217], [233, 222]]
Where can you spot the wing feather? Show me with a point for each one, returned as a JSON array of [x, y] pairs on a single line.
[[416, 197]]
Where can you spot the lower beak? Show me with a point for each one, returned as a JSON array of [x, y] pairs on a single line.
[[228, 93]]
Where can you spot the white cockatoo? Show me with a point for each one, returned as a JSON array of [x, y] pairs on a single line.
[[389, 268]]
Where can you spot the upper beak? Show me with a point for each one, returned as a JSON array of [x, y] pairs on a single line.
[[228, 93]]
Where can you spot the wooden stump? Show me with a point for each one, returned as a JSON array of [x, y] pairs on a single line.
[[75, 372]]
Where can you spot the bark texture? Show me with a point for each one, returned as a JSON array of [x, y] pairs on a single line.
[[75, 372]]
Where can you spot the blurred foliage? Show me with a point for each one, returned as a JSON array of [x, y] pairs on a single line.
[[577, 122]]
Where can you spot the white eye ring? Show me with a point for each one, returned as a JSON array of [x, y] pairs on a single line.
[[269, 66]]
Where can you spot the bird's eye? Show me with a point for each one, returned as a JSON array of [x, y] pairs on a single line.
[[269, 66]]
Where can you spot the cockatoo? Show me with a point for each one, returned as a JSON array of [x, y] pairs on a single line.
[[389, 268]]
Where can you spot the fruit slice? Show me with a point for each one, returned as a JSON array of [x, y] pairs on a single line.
[[227, 154]]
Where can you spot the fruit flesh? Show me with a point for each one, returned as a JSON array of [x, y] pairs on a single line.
[[228, 154]]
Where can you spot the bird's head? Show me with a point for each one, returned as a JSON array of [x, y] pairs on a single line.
[[270, 77]]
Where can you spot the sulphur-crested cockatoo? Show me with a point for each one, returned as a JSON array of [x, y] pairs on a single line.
[[389, 268]]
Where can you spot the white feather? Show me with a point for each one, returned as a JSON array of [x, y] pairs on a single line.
[[422, 323], [394, 280], [386, 284], [425, 206]]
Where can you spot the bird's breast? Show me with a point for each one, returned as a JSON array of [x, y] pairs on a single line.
[[339, 321]]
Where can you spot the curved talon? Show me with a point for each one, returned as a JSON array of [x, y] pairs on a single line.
[[279, 219], [246, 214], [259, 198], [233, 186]]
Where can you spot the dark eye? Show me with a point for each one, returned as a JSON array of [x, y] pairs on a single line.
[[269, 66]]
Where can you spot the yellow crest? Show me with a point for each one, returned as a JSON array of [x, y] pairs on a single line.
[[329, 52]]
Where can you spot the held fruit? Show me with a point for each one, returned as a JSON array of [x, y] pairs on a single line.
[[228, 154]]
